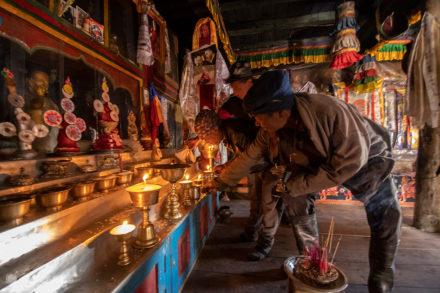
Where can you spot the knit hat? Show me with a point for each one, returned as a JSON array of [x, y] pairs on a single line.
[[272, 92]]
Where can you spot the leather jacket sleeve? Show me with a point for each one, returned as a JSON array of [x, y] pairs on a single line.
[[243, 163]]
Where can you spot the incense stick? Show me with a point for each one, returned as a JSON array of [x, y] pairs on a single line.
[[329, 232], [331, 238], [336, 249]]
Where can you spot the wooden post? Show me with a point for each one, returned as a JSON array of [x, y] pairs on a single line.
[[427, 209], [106, 23]]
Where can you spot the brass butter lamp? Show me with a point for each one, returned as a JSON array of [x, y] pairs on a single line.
[[144, 195], [186, 196], [123, 234], [172, 173]]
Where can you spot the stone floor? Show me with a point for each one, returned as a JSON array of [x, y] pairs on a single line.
[[222, 265]]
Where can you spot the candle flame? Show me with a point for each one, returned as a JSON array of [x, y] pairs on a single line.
[[186, 177], [199, 177], [145, 178], [125, 223]]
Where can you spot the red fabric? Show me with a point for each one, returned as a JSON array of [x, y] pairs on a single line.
[[206, 96], [184, 251], [206, 92], [155, 118], [344, 60]]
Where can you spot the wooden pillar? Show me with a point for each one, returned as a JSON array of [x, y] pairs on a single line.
[[427, 209], [106, 23]]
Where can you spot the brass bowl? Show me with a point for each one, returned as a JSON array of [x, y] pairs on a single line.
[[13, 209], [106, 183], [82, 190], [53, 199], [144, 195], [172, 172], [124, 177], [142, 171]]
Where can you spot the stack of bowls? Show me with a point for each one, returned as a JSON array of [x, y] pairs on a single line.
[[124, 177], [54, 198], [83, 190], [13, 209], [106, 183]]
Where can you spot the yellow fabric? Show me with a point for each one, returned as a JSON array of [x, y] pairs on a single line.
[[214, 9], [344, 32], [368, 87], [289, 60], [389, 56], [415, 18]]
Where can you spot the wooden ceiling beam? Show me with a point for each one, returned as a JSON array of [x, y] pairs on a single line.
[[256, 27], [249, 4]]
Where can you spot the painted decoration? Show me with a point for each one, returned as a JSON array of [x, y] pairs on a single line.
[[52, 118], [73, 132]]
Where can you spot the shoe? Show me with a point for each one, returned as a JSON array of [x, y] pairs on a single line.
[[257, 255]]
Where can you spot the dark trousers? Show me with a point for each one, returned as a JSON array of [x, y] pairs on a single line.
[[385, 218], [253, 223], [300, 210]]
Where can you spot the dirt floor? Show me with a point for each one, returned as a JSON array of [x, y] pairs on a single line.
[[222, 265]]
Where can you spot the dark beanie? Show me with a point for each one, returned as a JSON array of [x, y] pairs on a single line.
[[272, 92]]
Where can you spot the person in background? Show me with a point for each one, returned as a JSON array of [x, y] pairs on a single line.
[[237, 130], [324, 142]]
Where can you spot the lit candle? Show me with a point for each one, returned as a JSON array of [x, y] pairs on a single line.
[[143, 187], [145, 178], [125, 228]]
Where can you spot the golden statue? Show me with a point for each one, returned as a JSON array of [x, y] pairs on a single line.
[[38, 105], [133, 141]]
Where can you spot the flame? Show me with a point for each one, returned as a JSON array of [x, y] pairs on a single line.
[[125, 223], [209, 168], [199, 177], [145, 178], [186, 177]]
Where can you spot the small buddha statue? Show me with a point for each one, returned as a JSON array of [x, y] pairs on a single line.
[[39, 103], [133, 141]]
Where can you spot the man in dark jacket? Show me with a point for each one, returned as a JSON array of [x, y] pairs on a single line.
[[324, 142]]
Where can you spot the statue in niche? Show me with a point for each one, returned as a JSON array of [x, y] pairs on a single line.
[[39, 103], [133, 134]]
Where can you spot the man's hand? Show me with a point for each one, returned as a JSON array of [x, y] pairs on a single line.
[[216, 185], [278, 171]]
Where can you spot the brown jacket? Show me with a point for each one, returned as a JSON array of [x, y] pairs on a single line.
[[356, 151]]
